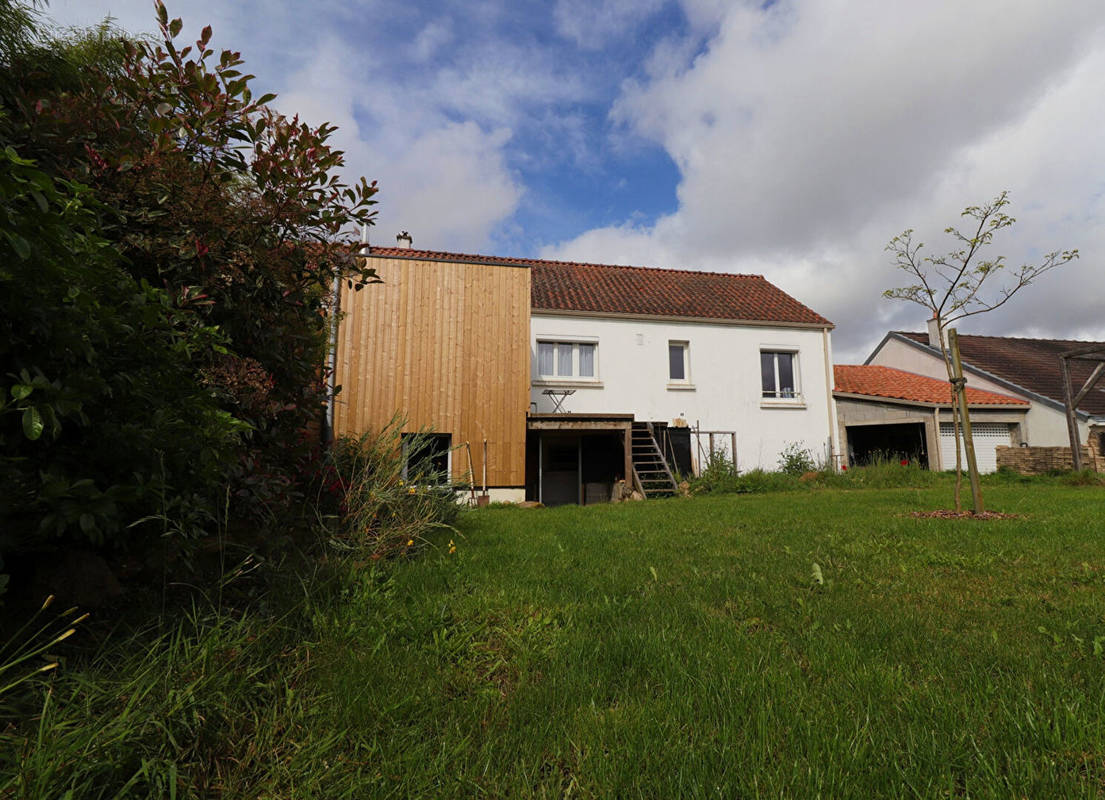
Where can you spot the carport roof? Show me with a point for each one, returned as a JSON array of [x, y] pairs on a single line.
[[869, 380]]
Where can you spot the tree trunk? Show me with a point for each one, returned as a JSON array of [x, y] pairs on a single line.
[[958, 491]]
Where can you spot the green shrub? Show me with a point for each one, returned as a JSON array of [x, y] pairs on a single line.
[[167, 246], [796, 460]]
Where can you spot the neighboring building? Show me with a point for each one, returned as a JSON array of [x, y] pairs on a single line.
[[583, 375], [891, 414], [1025, 369]]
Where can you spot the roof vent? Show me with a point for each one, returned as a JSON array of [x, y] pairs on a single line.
[[404, 240]]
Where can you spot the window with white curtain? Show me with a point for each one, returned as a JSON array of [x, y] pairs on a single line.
[[566, 360]]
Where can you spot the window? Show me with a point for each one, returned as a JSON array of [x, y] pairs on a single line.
[[778, 375], [426, 457], [566, 360], [677, 362]]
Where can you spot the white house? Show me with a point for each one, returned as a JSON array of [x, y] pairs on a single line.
[[704, 360], [568, 382]]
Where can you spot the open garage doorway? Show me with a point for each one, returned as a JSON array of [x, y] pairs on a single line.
[[868, 444]]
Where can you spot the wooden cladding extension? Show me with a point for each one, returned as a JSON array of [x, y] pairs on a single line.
[[446, 345]]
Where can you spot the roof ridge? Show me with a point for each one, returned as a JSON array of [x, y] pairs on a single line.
[[1008, 338], [556, 262]]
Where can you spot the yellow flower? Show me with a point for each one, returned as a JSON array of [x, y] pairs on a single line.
[[411, 490], [410, 542], [452, 547]]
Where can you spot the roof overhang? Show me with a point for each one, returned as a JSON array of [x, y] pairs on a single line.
[[579, 422], [488, 262], [901, 401]]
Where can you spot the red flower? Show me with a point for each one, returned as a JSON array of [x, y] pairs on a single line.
[[905, 462]]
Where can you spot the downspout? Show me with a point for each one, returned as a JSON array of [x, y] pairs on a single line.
[[834, 443], [332, 357]]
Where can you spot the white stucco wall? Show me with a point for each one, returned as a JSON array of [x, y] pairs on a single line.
[[724, 391], [1044, 426]]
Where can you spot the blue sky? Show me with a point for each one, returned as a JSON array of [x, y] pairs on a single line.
[[791, 139]]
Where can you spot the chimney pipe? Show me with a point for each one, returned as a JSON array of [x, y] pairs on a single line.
[[935, 334], [404, 240]]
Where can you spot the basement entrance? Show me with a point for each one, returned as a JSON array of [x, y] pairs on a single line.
[[582, 458], [576, 458], [869, 444], [579, 468]]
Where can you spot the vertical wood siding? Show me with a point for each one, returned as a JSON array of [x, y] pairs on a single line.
[[446, 345]]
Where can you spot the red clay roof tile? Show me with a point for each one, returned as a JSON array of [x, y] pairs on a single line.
[[607, 288], [875, 381]]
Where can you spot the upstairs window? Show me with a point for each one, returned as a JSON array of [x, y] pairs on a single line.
[[426, 457], [778, 376], [678, 371], [566, 360]]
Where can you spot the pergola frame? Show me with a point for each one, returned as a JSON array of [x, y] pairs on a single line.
[[1071, 399]]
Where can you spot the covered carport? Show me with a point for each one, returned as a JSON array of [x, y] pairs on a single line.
[[890, 414]]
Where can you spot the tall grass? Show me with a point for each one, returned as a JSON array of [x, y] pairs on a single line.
[[221, 697], [384, 513], [720, 476], [215, 705]]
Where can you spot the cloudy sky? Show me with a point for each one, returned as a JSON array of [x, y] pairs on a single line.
[[791, 138]]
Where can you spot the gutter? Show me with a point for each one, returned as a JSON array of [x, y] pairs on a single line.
[[834, 432]]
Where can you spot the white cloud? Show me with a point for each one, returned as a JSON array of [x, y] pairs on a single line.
[[590, 23], [432, 39], [807, 134], [447, 181]]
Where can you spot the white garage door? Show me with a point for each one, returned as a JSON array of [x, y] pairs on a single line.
[[987, 436]]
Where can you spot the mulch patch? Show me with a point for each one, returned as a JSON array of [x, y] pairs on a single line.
[[947, 513]]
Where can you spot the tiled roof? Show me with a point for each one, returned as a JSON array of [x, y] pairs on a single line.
[[1029, 363], [606, 288], [897, 384]]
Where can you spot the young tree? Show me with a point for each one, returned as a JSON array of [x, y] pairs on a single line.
[[960, 283]]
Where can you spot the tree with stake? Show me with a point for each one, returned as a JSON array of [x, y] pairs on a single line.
[[961, 283]]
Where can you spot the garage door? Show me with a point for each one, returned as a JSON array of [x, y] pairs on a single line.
[[987, 436]]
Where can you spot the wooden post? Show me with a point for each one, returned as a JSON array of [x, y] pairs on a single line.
[[960, 384], [629, 485], [733, 449], [1072, 419], [471, 472]]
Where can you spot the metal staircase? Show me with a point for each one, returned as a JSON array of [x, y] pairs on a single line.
[[651, 472]]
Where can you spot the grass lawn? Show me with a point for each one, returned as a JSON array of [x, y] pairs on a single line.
[[690, 648]]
